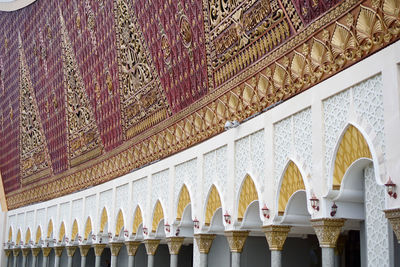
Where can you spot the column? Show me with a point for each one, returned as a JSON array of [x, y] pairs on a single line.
[[393, 216], [70, 252], [151, 248], [339, 250], [46, 253], [276, 236], [327, 230], [84, 249], [16, 252], [25, 253], [58, 252], [236, 240], [115, 248], [131, 248], [8, 253], [204, 242], [174, 245], [98, 250], [35, 254]]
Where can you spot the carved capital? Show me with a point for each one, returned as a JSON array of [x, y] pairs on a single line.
[[8, 252], [151, 246], [35, 251], [276, 235], [16, 252], [98, 249], [115, 248], [131, 247], [58, 251], [26, 251], [204, 242], [393, 216], [46, 251], [174, 244], [236, 240], [84, 249], [327, 231], [71, 251]]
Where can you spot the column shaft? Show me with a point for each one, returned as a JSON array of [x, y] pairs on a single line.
[[45, 261], [57, 261], [276, 258], [83, 261], [7, 259], [34, 261], [150, 260], [15, 261], [24, 261], [131, 261], [69, 264], [235, 259], [203, 260], [114, 260], [328, 257], [174, 260], [97, 263]]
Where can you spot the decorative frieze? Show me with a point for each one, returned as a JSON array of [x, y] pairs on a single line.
[[276, 235]]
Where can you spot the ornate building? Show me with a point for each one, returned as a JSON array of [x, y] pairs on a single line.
[[221, 133]]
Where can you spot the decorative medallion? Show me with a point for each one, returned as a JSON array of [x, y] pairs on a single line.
[[83, 137]]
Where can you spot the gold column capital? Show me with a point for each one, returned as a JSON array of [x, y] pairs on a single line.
[[115, 248], [58, 251], [393, 215], [204, 242], [36, 251], [131, 247], [16, 252], [46, 251], [151, 246], [328, 231], [98, 249], [174, 244], [25, 252], [84, 249], [8, 252], [71, 250], [236, 240], [276, 236]]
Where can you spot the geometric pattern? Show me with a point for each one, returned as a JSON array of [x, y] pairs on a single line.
[[248, 194], [120, 223], [158, 215], [137, 220], [291, 183], [184, 200], [213, 203]]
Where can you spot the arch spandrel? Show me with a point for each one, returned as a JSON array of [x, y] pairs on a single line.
[[213, 203], [120, 223], [158, 215], [184, 200], [18, 240], [88, 228], [248, 194], [291, 183], [353, 146], [138, 220]]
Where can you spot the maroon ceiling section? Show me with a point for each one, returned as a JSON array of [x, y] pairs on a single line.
[[174, 33]]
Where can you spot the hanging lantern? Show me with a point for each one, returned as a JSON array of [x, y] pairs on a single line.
[[145, 232], [265, 211], [80, 238], [109, 235], [66, 240], [167, 227], [391, 188], [333, 209], [314, 202], [227, 217], [126, 233], [196, 223], [177, 232], [94, 237]]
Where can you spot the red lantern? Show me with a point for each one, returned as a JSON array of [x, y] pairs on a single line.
[[265, 211], [167, 227], [196, 223], [391, 188], [314, 202], [227, 217], [333, 209]]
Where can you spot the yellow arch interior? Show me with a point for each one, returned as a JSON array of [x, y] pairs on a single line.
[[248, 194], [10, 234], [38, 234], [184, 200], [18, 237], [103, 219], [62, 232], [28, 236], [50, 229], [137, 220], [213, 203], [75, 230], [158, 215], [120, 223], [88, 228], [353, 146], [292, 182]]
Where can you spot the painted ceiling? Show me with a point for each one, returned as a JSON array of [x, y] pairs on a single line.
[[92, 89]]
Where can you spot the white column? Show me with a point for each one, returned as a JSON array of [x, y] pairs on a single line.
[[57, 253], [235, 259], [173, 260], [328, 257], [57, 261], [203, 260], [131, 248], [84, 251], [97, 262], [174, 246], [35, 253], [46, 253], [15, 261], [151, 248], [276, 258], [70, 252], [131, 261], [150, 260]]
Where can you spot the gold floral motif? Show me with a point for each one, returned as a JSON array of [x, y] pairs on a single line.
[[158, 215], [131, 247], [213, 203], [276, 236], [248, 194], [35, 251], [291, 183], [46, 251], [84, 250], [71, 250], [115, 248], [151, 246], [184, 200], [58, 251], [236, 240], [26, 251], [174, 244], [204, 242], [16, 252], [327, 231], [98, 249], [138, 220], [120, 223]]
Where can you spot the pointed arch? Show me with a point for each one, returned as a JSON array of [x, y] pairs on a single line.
[[184, 200], [353, 146], [158, 215], [18, 237], [103, 220], [137, 220], [10, 234], [248, 194], [50, 229], [213, 203], [38, 235], [88, 228], [120, 223], [291, 183], [75, 230], [61, 233], [28, 236]]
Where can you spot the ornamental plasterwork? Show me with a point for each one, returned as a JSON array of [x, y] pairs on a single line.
[[276, 236], [35, 160], [64, 214], [302, 136], [216, 169], [185, 173], [327, 231], [160, 187], [121, 195], [282, 145], [90, 207], [140, 193], [143, 103], [84, 142], [77, 209], [105, 200], [174, 244], [236, 240]]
